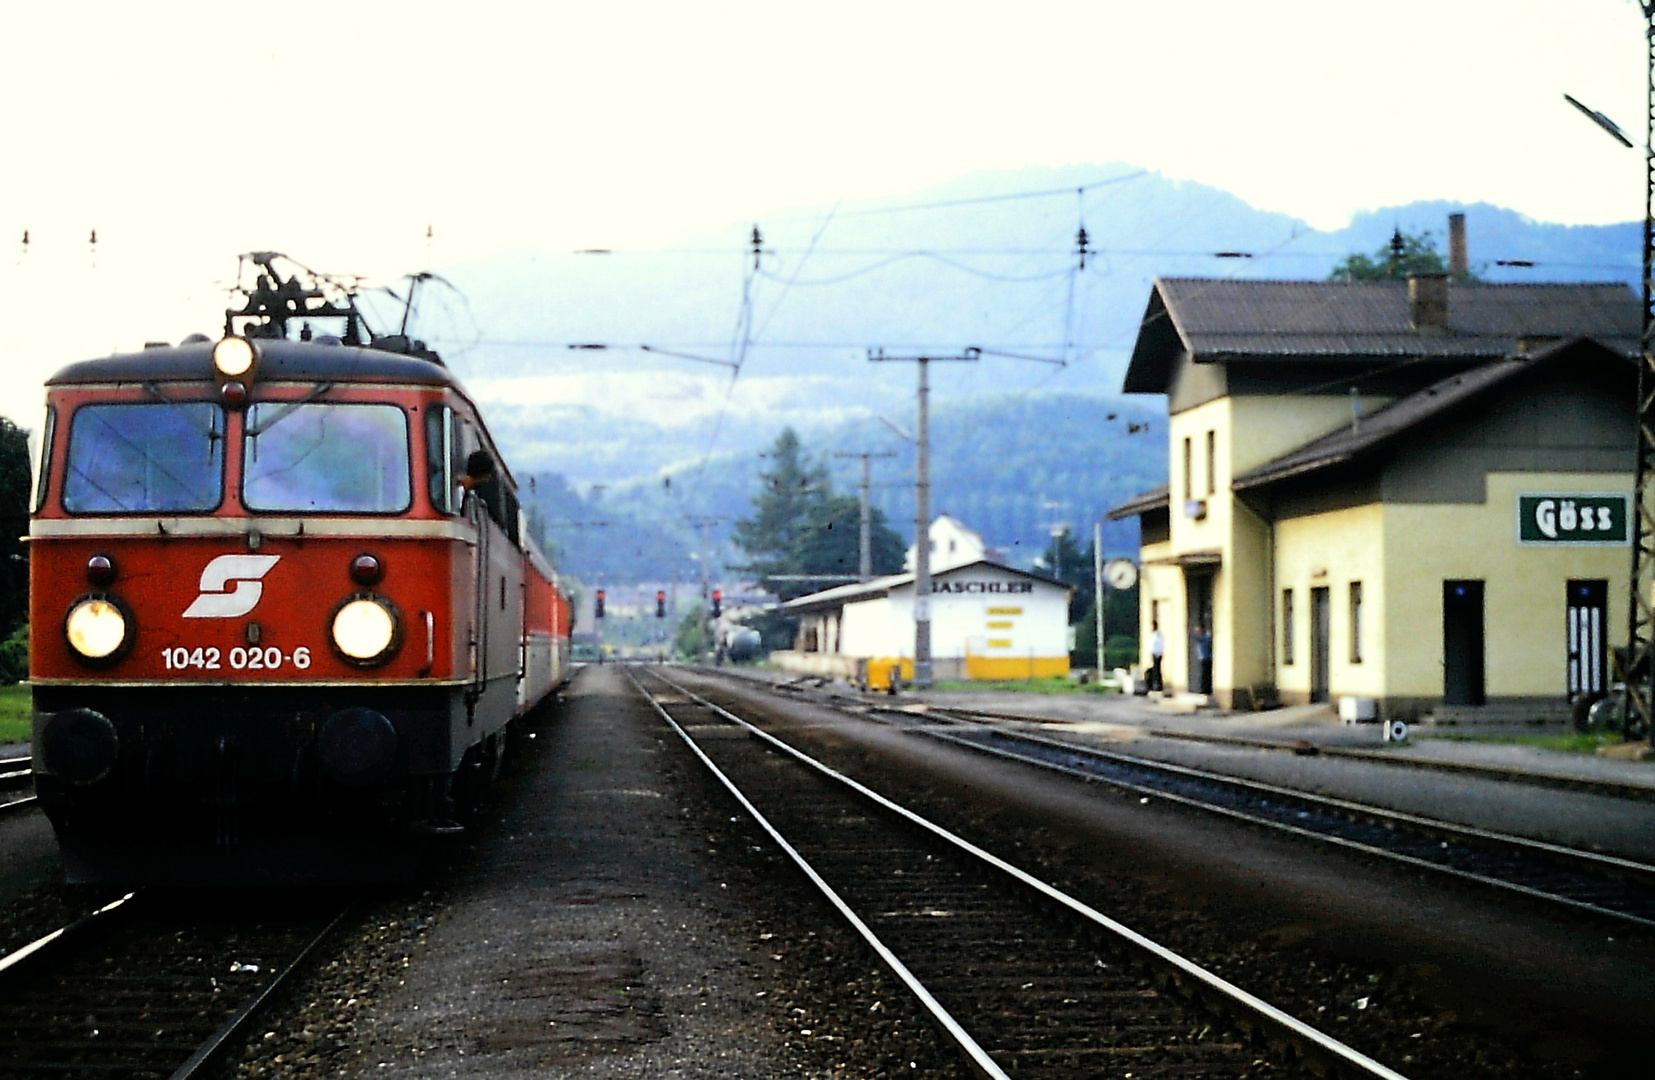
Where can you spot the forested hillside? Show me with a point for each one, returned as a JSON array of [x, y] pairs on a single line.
[[1011, 469]]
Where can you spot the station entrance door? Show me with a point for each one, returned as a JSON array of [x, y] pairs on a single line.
[[1587, 619], [1462, 643], [1321, 642]]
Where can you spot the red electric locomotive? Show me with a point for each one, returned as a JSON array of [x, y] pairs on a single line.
[[284, 605]]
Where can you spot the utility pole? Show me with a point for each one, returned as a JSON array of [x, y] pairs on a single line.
[[1638, 671], [1640, 667], [865, 567], [703, 524], [1100, 594], [922, 505]]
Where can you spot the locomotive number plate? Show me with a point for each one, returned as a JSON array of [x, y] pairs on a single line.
[[240, 659]]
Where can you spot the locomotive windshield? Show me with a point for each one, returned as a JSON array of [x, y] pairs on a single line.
[[350, 459], [145, 458]]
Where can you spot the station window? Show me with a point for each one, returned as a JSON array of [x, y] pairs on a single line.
[[1189, 482], [1212, 463], [1356, 622], [1287, 626]]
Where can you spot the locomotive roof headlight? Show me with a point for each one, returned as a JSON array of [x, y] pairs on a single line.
[[366, 630], [234, 357], [98, 630]]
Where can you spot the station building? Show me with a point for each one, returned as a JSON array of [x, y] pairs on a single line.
[[1414, 495], [988, 621]]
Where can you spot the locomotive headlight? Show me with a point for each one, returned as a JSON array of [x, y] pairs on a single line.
[[96, 628], [233, 357], [365, 630]]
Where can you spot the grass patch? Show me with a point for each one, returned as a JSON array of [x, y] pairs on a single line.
[[1030, 686], [1572, 742], [16, 714]]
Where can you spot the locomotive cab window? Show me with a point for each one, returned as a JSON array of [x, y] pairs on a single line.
[[441, 448], [43, 460], [328, 458], [142, 458]]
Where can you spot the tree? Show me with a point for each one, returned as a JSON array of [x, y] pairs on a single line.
[[830, 541], [1066, 561], [781, 510], [14, 523], [1407, 255], [800, 527], [690, 639], [1122, 628]]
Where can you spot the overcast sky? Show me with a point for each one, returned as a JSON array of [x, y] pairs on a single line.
[[188, 133]]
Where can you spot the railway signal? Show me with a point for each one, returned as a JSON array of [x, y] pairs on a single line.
[[597, 605], [660, 603], [718, 603]]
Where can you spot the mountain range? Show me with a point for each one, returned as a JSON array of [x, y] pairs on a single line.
[[644, 439]]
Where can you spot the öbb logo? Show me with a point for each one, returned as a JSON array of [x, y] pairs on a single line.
[[245, 572]]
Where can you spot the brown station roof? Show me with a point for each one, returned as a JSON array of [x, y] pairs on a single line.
[[1231, 321], [1378, 430]]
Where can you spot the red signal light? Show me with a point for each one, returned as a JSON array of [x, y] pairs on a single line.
[[660, 603], [718, 602], [598, 606]]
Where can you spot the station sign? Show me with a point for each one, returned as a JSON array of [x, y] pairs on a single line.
[[1574, 519], [982, 586]]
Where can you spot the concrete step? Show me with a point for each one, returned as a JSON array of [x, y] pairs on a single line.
[[1538, 713]]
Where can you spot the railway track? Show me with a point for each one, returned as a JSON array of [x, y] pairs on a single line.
[[153, 985], [16, 776], [1604, 885], [1026, 980]]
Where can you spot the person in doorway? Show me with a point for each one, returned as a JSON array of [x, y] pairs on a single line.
[[1157, 649], [1203, 658]]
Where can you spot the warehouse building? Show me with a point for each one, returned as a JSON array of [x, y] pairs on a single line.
[[1412, 495], [988, 621]]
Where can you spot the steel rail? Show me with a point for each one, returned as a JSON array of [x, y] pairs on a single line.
[[17, 804], [978, 1057], [17, 956], [1296, 1029], [210, 1050], [1418, 823], [1586, 785], [1355, 845], [1436, 825]]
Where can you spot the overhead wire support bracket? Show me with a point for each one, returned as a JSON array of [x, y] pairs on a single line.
[[731, 364]]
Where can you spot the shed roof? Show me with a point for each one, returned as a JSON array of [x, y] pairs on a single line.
[[1155, 499], [840, 595], [1228, 320]]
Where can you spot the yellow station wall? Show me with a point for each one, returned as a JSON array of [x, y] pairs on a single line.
[[1524, 605], [1247, 431], [1330, 551]]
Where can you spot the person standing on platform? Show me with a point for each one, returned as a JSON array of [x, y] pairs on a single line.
[[1157, 649], [1203, 658]]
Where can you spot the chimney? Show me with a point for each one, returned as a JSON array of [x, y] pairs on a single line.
[[1459, 258], [1428, 303]]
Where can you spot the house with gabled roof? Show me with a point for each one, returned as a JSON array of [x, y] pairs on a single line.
[[1415, 495]]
